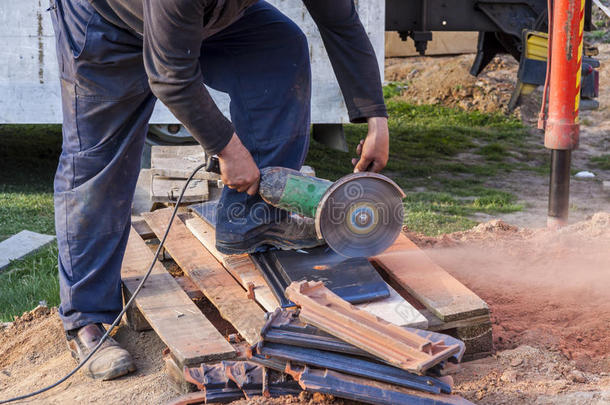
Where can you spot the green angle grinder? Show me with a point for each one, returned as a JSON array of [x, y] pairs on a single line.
[[359, 215]]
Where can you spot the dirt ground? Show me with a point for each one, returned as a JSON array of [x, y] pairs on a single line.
[[445, 81], [550, 309]]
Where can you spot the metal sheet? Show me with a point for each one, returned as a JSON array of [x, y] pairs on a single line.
[[353, 279], [29, 78], [364, 390], [353, 365]]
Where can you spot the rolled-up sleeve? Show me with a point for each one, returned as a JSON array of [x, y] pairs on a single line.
[[173, 33], [351, 55]]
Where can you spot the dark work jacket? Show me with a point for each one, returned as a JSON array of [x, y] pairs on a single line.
[[172, 33]]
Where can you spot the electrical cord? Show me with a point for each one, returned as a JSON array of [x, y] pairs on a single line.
[[127, 305]]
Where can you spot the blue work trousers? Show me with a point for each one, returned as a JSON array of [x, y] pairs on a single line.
[[261, 61]]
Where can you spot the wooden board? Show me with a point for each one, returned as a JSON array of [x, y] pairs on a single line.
[[167, 190], [393, 309], [141, 227], [439, 291], [190, 336], [178, 161], [209, 275], [240, 266], [141, 199]]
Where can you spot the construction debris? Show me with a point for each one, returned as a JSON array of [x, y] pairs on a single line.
[[324, 309], [171, 165], [353, 279], [365, 390], [323, 363], [229, 381]]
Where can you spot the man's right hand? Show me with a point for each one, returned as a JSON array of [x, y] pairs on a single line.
[[237, 168]]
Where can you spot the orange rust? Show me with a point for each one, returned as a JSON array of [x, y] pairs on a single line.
[[250, 292], [324, 309]]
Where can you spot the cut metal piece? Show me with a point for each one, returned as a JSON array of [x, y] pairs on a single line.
[[232, 380], [360, 215], [353, 279], [364, 390], [284, 326], [395, 345], [355, 366], [273, 279]]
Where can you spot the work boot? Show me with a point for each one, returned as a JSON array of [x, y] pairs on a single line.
[[109, 362], [291, 233]]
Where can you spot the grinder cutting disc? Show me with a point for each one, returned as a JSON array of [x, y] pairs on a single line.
[[361, 214]]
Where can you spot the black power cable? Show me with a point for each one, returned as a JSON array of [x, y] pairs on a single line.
[[127, 305]]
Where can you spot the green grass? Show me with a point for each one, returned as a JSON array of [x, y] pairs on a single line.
[[601, 162], [29, 281], [426, 148], [28, 158]]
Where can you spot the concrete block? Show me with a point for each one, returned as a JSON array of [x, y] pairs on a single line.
[[22, 244]]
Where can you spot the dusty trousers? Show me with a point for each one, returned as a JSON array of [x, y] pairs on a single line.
[[261, 61]]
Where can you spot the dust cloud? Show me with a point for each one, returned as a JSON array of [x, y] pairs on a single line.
[[548, 288]]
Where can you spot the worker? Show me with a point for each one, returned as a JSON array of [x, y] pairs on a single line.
[[116, 57]]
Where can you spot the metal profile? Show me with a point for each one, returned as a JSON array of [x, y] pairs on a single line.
[[275, 281], [354, 366], [363, 390], [283, 326], [407, 350]]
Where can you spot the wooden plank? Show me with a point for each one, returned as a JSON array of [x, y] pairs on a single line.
[[240, 266], [190, 336], [141, 227], [168, 190], [178, 161], [393, 309], [209, 275], [141, 198], [439, 291]]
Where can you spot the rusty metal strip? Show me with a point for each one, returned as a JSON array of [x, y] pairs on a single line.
[[395, 345], [364, 390]]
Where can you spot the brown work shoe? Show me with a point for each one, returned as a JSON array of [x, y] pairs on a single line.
[[110, 361]]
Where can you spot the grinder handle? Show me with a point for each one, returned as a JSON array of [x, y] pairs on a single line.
[[212, 164]]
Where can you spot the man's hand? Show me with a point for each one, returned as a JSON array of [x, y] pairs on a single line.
[[373, 151], [237, 168]]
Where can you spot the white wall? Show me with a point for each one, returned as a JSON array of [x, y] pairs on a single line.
[[29, 81]]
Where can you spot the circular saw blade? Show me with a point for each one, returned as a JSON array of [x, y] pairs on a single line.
[[360, 215]]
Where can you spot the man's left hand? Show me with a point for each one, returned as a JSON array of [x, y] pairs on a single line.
[[373, 151]]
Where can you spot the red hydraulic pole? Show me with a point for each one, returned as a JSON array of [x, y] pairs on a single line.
[[562, 128]]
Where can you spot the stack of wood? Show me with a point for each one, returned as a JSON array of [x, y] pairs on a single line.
[[212, 307], [171, 166]]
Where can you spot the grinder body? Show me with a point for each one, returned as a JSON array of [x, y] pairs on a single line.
[[360, 214]]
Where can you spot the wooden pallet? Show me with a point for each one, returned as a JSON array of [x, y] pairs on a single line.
[[394, 309], [421, 291]]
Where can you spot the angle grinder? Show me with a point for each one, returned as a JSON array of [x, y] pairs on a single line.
[[359, 215]]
